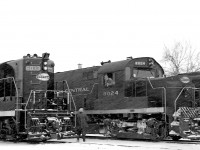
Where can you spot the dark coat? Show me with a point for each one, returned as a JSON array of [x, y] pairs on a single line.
[[82, 120]]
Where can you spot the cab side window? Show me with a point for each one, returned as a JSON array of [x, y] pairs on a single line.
[[108, 79]]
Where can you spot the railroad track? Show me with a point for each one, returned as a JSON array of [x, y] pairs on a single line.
[[181, 141], [64, 140]]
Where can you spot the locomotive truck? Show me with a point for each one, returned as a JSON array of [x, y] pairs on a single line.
[[133, 98], [30, 108]]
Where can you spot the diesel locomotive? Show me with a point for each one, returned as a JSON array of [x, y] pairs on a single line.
[[133, 98], [30, 108]]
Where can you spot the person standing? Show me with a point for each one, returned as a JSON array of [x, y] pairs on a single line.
[[82, 124]]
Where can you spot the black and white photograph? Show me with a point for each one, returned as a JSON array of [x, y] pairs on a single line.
[[100, 75]]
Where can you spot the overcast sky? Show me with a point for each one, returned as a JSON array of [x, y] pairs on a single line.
[[91, 31]]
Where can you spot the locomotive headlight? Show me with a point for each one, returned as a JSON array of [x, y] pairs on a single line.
[[44, 65], [45, 68]]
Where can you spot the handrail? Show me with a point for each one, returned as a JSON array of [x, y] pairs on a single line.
[[68, 90], [178, 97], [165, 98], [165, 101], [33, 92], [180, 94], [26, 109], [175, 101], [72, 99]]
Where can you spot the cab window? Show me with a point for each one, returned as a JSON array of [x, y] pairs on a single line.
[[108, 79], [141, 73]]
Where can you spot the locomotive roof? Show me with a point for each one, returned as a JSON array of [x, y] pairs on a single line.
[[190, 73], [73, 73], [105, 68], [114, 66], [120, 65]]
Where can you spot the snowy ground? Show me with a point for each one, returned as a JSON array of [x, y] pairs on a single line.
[[100, 144]]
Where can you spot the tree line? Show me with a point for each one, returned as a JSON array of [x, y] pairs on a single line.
[[180, 58]]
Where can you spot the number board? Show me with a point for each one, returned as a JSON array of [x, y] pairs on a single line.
[[33, 68], [140, 63]]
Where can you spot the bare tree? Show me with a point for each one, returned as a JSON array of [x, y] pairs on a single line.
[[181, 58]]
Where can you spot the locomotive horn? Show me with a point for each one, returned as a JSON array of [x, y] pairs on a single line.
[[102, 63]]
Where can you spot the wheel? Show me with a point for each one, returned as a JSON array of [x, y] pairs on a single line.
[[175, 138]]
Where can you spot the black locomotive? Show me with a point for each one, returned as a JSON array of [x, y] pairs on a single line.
[[30, 108], [133, 99]]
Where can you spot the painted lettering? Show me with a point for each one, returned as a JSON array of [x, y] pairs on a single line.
[[78, 90], [110, 93]]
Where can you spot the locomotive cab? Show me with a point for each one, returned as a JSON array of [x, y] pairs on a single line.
[[127, 80]]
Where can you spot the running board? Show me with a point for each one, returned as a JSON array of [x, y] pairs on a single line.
[[152, 110]]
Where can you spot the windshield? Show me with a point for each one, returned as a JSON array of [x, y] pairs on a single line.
[[143, 73]]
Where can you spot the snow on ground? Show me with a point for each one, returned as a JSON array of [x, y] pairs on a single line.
[[99, 144]]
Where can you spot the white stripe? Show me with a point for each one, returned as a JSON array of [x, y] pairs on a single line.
[[124, 111], [7, 113]]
